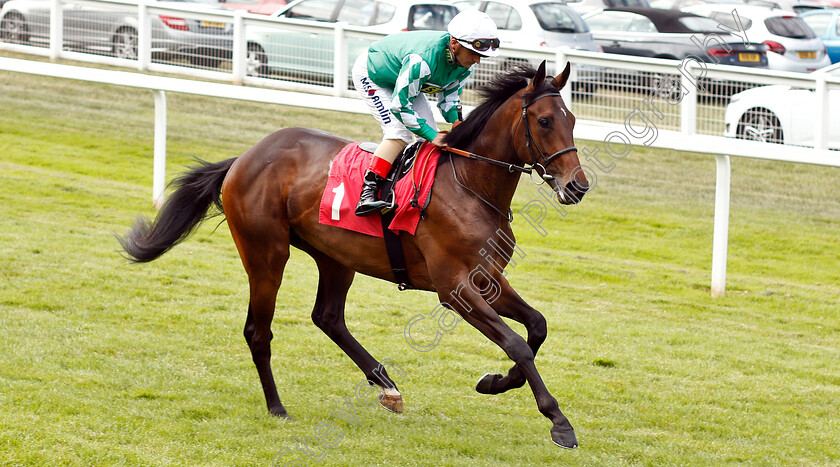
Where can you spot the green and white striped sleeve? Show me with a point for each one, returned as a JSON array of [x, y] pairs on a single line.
[[413, 74], [448, 99]]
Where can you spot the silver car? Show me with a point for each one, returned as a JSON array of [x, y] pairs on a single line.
[[114, 31], [309, 57]]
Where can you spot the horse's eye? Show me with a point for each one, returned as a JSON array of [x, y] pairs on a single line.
[[544, 122]]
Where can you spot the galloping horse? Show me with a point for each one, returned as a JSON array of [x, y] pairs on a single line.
[[270, 197]]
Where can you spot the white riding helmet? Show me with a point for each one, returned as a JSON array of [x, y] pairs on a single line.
[[475, 31]]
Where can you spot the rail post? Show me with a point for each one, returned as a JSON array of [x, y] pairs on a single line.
[[56, 29], [159, 169], [721, 229]]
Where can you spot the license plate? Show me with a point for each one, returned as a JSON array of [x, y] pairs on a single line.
[[809, 54], [745, 57], [212, 24]]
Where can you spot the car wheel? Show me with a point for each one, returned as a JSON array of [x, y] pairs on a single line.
[[256, 63], [667, 87], [13, 29], [125, 44], [760, 125]]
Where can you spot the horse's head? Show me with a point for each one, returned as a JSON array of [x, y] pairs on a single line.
[[546, 127]]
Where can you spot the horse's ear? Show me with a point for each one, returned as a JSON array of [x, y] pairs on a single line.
[[538, 78], [561, 79]]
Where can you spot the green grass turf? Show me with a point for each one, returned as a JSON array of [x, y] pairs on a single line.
[[107, 363]]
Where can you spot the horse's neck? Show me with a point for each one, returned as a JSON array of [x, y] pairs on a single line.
[[495, 183]]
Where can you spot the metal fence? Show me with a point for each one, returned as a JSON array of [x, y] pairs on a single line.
[[234, 46]]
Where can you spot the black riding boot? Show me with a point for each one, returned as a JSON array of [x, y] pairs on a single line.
[[369, 202]]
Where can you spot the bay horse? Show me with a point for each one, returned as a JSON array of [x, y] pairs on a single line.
[[270, 198]]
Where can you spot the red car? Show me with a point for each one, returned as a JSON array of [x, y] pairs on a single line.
[[263, 7]]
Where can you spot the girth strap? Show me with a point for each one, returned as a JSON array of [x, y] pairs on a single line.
[[395, 252]]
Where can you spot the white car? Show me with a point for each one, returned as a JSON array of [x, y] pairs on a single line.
[[534, 24], [585, 6], [781, 114], [792, 44], [310, 55]]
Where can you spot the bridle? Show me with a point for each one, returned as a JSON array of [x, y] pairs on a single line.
[[530, 143]]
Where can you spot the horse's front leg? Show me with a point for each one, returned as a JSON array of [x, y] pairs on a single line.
[[474, 308], [510, 305]]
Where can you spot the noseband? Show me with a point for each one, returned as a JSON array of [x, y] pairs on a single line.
[[531, 144]]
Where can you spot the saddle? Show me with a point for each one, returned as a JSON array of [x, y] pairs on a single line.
[[401, 167]]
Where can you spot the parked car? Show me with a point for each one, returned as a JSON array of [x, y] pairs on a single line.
[[312, 55], [680, 4], [538, 23], [781, 114], [115, 31], [826, 25], [659, 33], [792, 44], [260, 7], [585, 6], [668, 34]]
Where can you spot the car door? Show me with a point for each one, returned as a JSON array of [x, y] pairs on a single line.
[[293, 50], [85, 24], [610, 31], [507, 19]]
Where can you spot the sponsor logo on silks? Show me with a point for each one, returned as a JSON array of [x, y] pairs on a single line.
[[431, 88], [383, 112]]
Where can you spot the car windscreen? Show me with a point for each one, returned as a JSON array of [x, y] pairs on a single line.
[[789, 26], [430, 17], [557, 17]]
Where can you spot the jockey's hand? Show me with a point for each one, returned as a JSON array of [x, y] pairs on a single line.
[[438, 141]]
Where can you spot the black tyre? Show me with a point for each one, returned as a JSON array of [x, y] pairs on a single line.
[[125, 44], [13, 29], [256, 63], [760, 125]]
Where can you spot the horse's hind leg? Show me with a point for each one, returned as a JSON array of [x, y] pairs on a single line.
[[264, 258], [511, 305], [258, 335], [328, 314]]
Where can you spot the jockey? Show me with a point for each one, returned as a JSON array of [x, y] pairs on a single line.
[[396, 72]]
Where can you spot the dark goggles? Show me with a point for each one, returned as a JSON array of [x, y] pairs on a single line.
[[482, 45]]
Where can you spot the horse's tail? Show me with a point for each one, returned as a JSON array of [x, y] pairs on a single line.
[[188, 205]]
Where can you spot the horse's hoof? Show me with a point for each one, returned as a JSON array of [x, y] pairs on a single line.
[[281, 413], [565, 439], [486, 383], [391, 402]]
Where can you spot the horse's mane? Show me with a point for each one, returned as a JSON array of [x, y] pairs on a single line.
[[494, 94]]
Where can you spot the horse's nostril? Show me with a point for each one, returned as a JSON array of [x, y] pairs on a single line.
[[574, 192]]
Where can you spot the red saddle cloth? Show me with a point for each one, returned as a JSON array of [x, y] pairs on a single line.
[[338, 203]]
